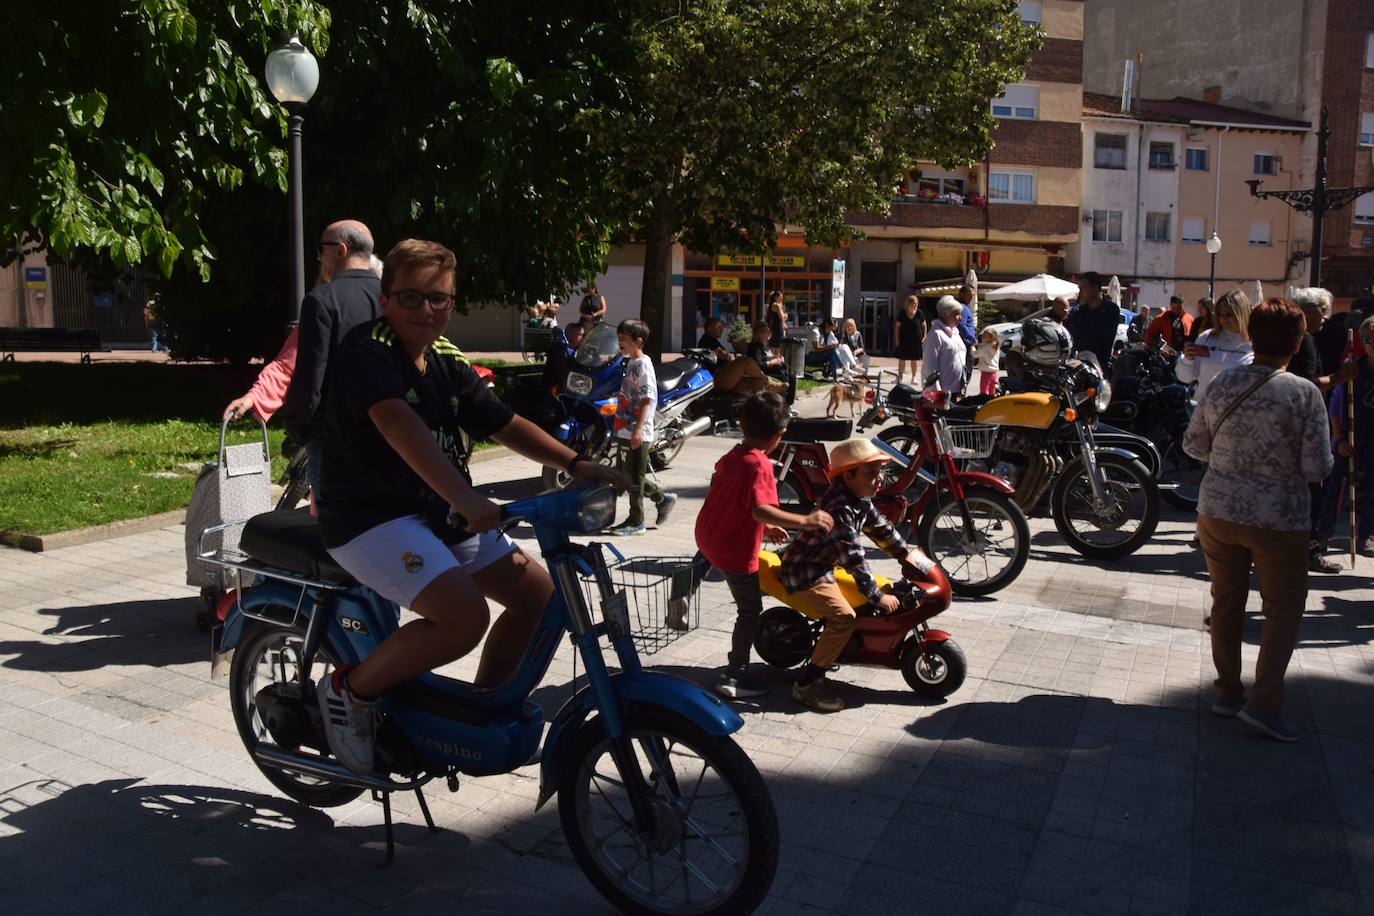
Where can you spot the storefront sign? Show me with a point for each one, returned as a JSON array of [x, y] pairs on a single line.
[[754, 260], [725, 284], [837, 289], [35, 278]]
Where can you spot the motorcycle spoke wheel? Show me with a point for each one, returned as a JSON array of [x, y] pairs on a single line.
[[711, 845], [1122, 524], [995, 554], [1183, 470]]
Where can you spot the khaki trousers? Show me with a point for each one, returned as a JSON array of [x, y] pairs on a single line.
[[1280, 559], [825, 600]]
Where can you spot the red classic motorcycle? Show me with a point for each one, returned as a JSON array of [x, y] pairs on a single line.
[[966, 521]]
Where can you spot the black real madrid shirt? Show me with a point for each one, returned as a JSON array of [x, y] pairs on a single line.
[[363, 481]]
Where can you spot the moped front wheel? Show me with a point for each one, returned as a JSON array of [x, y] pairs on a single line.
[[708, 843], [271, 655], [984, 557]]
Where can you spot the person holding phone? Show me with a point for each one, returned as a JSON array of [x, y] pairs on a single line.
[[1223, 347]]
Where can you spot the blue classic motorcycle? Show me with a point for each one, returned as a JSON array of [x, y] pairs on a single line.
[[588, 401], [662, 809]]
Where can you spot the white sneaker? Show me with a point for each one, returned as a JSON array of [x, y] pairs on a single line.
[[350, 724]]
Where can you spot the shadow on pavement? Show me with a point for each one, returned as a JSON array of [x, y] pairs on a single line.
[[123, 846], [155, 633]]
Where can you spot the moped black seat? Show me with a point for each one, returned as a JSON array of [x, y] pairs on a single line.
[[818, 431], [961, 411], [669, 375], [290, 539]]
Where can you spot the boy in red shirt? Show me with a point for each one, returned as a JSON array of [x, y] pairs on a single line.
[[741, 503]]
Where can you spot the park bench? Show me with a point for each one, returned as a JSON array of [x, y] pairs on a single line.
[[535, 340], [48, 340]]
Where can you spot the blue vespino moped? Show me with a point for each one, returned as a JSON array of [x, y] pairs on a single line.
[[661, 808]]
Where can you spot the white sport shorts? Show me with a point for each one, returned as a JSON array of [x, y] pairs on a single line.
[[397, 559]]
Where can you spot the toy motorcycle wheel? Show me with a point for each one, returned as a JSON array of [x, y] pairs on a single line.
[[938, 671], [785, 637]]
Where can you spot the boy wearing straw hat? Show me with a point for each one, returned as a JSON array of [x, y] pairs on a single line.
[[808, 566]]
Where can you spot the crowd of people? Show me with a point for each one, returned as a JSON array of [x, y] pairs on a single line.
[[398, 512]]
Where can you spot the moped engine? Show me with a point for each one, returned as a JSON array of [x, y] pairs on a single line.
[[291, 718]]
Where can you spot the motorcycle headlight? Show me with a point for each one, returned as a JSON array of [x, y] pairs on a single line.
[[597, 509], [579, 383], [1104, 395]]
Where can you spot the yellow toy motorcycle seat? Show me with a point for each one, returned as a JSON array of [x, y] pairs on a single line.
[[770, 580]]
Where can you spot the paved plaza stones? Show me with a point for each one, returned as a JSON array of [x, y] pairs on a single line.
[[1077, 771]]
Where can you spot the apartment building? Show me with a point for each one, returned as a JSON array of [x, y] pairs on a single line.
[[1285, 58], [1162, 175], [1011, 215]]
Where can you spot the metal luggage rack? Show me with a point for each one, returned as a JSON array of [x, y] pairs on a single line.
[[240, 564], [971, 440], [654, 599]]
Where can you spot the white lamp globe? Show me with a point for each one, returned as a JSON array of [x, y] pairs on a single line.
[[293, 74], [1213, 244]]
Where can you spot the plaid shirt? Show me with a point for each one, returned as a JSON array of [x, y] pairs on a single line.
[[814, 555]]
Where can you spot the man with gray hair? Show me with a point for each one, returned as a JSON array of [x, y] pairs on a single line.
[[1315, 303], [346, 297]]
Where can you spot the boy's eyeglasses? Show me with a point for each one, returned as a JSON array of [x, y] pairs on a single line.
[[410, 299]]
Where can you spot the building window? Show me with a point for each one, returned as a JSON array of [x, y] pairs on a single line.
[[1194, 229], [1259, 233], [1369, 52], [1109, 151], [1021, 102], [1106, 225], [1157, 227], [1011, 187], [1161, 155], [1266, 164], [1030, 12], [1367, 128], [1195, 159], [1364, 208]]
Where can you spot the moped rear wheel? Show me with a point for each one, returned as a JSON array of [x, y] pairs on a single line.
[[711, 844], [785, 638], [268, 655], [995, 553]]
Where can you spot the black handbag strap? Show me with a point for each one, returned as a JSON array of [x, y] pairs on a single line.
[[1237, 402]]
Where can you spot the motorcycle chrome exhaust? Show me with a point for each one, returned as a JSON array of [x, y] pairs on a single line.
[[328, 769], [696, 427]]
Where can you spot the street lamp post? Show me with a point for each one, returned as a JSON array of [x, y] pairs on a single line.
[[1213, 246], [1318, 200], [292, 77]]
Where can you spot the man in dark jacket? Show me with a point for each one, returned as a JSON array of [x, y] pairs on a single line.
[[1094, 322], [346, 297]]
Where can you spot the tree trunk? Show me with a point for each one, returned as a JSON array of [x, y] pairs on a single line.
[[655, 298]]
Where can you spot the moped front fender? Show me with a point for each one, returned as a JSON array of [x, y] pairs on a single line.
[[966, 479], [695, 703]]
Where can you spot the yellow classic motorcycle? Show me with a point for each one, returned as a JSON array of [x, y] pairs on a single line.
[[1104, 500]]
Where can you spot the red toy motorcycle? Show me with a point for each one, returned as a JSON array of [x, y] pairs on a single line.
[[931, 662]]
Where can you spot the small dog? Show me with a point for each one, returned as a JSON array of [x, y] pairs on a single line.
[[851, 392]]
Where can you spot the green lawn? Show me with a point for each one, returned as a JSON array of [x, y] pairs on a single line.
[[53, 478]]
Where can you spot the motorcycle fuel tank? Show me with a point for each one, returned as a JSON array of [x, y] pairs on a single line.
[[1035, 409]]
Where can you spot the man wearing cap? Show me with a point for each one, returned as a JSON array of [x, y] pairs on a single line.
[[808, 566]]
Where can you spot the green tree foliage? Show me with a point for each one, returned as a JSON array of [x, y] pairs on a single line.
[[122, 116], [748, 114]]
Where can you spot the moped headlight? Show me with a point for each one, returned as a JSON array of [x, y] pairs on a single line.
[[597, 509]]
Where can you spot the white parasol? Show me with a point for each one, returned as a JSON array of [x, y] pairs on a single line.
[[971, 281], [1258, 294], [1032, 289], [1114, 289]]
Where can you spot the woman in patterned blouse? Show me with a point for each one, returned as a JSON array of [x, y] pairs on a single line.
[[1264, 432]]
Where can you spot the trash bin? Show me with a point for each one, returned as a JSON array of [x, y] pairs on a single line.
[[794, 352]]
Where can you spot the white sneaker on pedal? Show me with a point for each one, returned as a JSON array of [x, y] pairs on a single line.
[[350, 724]]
